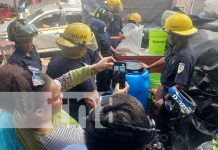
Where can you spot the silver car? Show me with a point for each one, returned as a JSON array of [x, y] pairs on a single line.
[[51, 21]]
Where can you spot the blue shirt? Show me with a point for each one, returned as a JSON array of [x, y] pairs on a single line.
[[179, 67], [24, 61], [61, 65], [103, 37], [104, 42]]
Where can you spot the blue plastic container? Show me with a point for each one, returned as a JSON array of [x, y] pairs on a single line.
[[139, 83]]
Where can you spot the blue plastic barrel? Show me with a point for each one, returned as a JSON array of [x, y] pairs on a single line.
[[139, 83]]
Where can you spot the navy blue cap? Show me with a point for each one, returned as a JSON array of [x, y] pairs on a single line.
[[98, 25]]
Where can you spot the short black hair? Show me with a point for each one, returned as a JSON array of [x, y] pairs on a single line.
[[126, 111]]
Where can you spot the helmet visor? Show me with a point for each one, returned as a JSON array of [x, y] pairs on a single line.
[[26, 32], [92, 44]]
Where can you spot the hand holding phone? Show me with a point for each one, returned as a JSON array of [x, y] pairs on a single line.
[[117, 89], [119, 74]]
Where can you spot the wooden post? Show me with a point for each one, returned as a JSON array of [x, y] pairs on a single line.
[[16, 9]]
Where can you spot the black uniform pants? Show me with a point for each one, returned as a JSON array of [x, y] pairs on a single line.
[[163, 123]]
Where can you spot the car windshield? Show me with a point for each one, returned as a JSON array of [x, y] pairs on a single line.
[[33, 15]]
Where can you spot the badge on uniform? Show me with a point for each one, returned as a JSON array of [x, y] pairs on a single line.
[[181, 67]]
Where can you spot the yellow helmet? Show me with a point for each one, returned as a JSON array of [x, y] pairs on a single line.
[[78, 34], [135, 17], [114, 5], [180, 24]]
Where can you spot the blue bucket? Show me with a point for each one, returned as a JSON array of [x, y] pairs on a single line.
[[139, 83]]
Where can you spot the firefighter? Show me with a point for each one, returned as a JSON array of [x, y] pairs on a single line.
[[135, 18], [109, 14], [179, 63], [78, 46], [25, 53]]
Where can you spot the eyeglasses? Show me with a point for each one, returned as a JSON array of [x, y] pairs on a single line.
[[36, 76]]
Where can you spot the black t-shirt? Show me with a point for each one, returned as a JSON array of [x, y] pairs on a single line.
[[114, 28], [179, 67], [23, 61], [61, 65]]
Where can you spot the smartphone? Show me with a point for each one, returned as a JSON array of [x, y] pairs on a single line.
[[119, 74]]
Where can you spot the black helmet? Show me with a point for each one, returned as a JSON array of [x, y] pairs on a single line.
[[100, 12], [18, 30]]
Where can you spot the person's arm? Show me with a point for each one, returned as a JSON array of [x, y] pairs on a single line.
[[77, 76], [155, 64], [183, 73], [120, 37], [99, 54], [113, 50]]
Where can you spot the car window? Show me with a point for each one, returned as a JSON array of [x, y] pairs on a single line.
[[73, 17], [33, 15], [48, 21]]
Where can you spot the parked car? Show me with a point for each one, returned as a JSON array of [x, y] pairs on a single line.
[[51, 21]]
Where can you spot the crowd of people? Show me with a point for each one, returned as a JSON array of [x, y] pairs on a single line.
[[114, 122]]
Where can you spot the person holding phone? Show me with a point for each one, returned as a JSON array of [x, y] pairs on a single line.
[[35, 128]]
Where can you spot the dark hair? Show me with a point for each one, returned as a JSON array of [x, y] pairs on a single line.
[[12, 80], [36, 99], [15, 79], [128, 114]]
